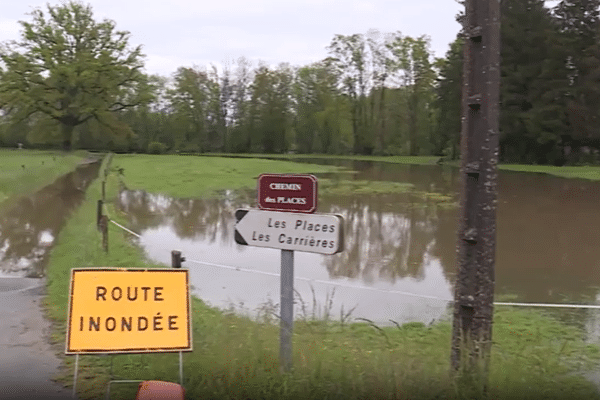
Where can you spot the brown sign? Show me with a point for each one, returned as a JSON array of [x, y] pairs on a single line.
[[292, 193]]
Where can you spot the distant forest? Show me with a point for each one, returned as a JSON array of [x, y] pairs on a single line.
[[73, 82]]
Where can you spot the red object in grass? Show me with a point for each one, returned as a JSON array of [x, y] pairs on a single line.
[[160, 390]]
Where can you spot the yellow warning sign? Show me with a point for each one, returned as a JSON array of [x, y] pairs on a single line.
[[128, 311]]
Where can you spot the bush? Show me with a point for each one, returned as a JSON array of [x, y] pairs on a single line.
[[157, 148], [189, 148]]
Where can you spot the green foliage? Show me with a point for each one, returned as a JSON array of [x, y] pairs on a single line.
[[71, 79], [157, 148], [70, 69], [449, 92], [534, 84]]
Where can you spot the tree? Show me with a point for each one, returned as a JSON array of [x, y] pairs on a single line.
[[240, 104], [579, 23], [270, 119], [449, 90], [381, 61], [534, 84], [410, 58], [348, 54], [194, 97], [71, 69]]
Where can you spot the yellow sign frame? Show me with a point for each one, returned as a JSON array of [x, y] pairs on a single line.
[[119, 310]]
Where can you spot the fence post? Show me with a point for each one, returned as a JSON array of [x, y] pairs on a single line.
[[104, 228], [99, 214], [103, 190], [176, 259]]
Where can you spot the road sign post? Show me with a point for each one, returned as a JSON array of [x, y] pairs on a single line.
[[286, 326], [115, 310], [286, 220], [315, 233]]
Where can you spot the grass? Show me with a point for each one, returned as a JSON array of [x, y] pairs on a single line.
[[345, 187], [24, 171], [534, 356], [581, 172], [188, 176], [181, 176], [419, 160], [578, 172]]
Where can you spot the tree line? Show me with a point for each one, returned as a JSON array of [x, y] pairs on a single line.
[[74, 82]]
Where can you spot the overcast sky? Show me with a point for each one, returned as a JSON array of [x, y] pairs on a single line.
[[178, 33]]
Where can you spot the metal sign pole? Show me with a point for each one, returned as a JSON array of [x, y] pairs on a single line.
[[75, 376], [181, 368], [287, 310]]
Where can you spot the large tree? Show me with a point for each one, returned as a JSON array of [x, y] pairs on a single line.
[[533, 84], [579, 22], [447, 140], [349, 55], [71, 69]]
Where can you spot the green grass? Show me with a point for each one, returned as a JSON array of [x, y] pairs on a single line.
[[189, 176], [582, 172], [579, 172], [234, 357], [24, 171], [421, 160]]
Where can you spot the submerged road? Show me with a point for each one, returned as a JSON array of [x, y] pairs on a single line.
[[28, 361]]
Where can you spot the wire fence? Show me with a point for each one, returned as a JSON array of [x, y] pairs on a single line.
[[359, 287]]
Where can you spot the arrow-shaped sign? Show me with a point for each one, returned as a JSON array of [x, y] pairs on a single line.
[[314, 233]]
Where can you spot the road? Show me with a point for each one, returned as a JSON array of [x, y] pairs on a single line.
[[28, 362]]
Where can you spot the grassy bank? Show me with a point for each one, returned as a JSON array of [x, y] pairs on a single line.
[[582, 172], [189, 176], [24, 171], [417, 160], [534, 356]]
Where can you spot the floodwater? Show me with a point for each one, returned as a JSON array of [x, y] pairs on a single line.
[[399, 258], [28, 229]]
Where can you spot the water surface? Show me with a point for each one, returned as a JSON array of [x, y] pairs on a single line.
[[29, 228], [396, 245]]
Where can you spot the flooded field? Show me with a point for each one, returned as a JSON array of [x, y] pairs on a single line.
[[399, 257], [29, 228]]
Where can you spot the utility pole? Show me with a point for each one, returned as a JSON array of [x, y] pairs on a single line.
[[474, 289]]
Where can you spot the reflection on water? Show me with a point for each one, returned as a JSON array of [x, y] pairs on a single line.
[[29, 228], [547, 249]]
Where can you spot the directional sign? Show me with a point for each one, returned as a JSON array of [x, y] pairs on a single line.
[[128, 311], [314, 233], [287, 192]]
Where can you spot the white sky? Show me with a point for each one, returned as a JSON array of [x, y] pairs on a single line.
[[178, 33]]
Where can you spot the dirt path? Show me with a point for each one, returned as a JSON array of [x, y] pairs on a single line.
[[27, 360]]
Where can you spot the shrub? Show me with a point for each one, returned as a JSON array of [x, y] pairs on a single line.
[[157, 148]]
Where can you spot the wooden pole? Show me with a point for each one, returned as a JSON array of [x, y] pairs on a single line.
[[104, 228], [474, 289], [99, 213]]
